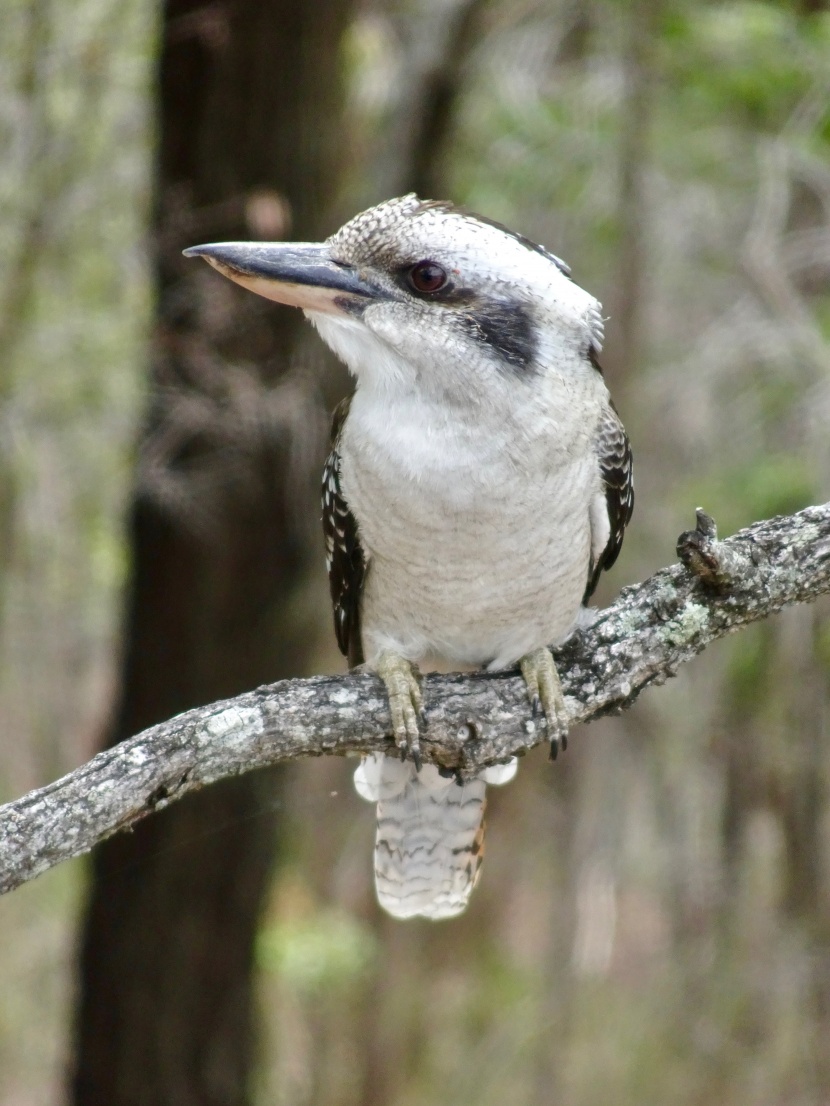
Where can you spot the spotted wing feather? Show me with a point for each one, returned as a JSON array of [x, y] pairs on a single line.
[[345, 559], [617, 468]]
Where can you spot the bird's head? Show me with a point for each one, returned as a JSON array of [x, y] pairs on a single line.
[[419, 295]]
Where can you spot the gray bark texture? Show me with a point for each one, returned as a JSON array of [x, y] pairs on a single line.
[[471, 720]]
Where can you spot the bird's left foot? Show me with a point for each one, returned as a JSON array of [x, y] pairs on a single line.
[[406, 702], [545, 692]]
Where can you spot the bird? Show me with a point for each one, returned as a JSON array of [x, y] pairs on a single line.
[[479, 482]]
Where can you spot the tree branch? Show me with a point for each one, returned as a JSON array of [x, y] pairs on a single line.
[[472, 720]]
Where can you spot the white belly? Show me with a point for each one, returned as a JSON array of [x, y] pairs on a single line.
[[479, 562]]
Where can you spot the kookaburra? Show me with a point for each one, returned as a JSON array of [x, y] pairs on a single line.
[[478, 483]]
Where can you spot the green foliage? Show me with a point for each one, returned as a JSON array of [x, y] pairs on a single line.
[[325, 951], [823, 645], [752, 61], [74, 314], [35, 986], [760, 487]]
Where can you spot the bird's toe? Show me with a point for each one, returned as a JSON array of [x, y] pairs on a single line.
[[405, 703], [545, 691]]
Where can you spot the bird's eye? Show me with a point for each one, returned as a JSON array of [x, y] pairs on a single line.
[[427, 276]]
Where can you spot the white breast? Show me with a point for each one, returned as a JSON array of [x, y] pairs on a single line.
[[477, 534]]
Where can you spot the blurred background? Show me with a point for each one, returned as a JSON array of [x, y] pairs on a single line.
[[653, 921]]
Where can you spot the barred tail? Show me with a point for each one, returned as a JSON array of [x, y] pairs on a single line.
[[430, 835]]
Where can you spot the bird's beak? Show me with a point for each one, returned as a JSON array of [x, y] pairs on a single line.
[[297, 273]]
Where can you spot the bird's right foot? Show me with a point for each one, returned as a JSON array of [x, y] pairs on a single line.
[[406, 702]]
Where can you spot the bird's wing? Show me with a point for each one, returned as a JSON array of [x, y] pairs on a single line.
[[345, 559], [611, 513]]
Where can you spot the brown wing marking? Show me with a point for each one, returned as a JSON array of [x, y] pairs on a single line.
[[344, 556], [617, 469]]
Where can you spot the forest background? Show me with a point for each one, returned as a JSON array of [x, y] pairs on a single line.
[[653, 921]]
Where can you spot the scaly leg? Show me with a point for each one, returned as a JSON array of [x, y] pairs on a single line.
[[545, 694], [405, 702]]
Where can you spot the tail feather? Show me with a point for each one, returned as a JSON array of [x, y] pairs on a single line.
[[430, 835]]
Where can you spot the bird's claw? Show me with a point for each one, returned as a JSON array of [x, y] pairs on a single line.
[[406, 704], [545, 693]]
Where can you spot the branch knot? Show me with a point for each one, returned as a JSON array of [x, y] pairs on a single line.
[[717, 565]]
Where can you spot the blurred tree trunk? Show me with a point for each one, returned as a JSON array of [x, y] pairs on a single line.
[[629, 307], [442, 85], [248, 124], [436, 44]]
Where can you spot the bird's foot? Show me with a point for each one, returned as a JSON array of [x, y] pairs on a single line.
[[406, 702], [545, 692]]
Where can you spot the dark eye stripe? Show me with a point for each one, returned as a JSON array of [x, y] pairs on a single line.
[[507, 328]]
